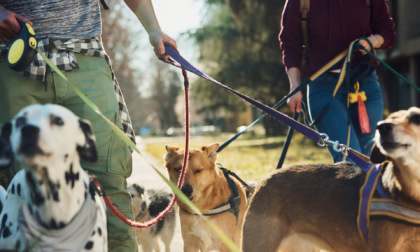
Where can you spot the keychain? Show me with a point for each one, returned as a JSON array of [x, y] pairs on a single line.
[[360, 97]]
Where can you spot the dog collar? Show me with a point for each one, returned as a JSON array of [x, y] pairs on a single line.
[[381, 206]]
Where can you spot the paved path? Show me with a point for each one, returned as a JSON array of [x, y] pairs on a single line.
[[143, 174]]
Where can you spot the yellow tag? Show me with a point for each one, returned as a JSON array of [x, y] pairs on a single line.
[[353, 96]]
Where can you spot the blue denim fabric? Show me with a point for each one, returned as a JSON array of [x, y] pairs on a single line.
[[335, 120]]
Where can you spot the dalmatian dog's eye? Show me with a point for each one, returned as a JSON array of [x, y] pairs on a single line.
[[415, 119], [20, 121], [56, 120]]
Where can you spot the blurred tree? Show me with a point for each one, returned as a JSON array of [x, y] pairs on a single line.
[[121, 42], [165, 89], [239, 47]]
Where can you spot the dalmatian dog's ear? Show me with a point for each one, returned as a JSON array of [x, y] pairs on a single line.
[[376, 155], [6, 153], [87, 151]]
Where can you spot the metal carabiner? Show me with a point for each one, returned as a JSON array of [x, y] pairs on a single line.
[[323, 140]]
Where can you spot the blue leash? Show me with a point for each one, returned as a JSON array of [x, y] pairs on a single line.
[[321, 139]]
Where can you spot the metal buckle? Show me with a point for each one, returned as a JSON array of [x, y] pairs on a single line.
[[337, 147]]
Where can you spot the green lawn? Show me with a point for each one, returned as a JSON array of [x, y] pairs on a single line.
[[250, 158]]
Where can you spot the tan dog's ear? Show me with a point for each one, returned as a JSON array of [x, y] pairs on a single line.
[[171, 150], [376, 155], [211, 151]]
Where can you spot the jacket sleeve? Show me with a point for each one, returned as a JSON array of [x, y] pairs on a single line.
[[381, 23], [290, 37]]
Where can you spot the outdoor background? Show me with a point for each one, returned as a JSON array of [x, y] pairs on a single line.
[[235, 42]]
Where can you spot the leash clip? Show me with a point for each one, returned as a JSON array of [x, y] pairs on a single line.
[[337, 147], [323, 140]]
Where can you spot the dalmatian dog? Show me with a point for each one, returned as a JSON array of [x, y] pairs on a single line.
[[50, 205]]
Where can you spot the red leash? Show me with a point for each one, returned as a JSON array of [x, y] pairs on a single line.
[[153, 221]]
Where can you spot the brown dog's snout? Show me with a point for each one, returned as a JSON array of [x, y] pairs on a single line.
[[385, 129], [187, 190]]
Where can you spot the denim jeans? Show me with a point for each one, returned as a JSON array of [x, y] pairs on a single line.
[[334, 122]]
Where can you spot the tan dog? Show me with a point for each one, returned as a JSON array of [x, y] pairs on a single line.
[[307, 207], [207, 187]]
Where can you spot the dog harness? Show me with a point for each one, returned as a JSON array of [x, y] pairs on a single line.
[[234, 200], [375, 203], [72, 237]]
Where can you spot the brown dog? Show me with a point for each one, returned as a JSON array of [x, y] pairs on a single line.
[[208, 188], [310, 207]]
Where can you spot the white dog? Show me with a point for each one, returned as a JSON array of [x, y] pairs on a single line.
[[50, 204]]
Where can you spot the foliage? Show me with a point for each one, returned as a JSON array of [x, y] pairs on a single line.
[[120, 42], [165, 90], [239, 47]]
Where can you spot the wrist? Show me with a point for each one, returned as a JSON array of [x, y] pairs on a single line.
[[376, 40]]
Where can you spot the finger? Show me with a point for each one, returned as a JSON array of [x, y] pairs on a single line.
[[23, 19], [14, 26], [298, 108]]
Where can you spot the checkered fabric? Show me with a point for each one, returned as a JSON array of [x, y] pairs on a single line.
[[61, 53]]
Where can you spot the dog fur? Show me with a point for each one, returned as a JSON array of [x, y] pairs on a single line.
[[206, 186], [48, 140], [311, 207], [148, 204]]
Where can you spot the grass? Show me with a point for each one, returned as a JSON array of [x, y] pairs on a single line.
[[250, 158]]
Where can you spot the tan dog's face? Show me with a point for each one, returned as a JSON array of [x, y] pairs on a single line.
[[398, 137], [200, 175]]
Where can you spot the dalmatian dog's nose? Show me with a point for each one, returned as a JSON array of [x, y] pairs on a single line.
[[29, 131], [29, 140]]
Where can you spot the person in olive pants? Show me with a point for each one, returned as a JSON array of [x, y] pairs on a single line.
[[75, 46]]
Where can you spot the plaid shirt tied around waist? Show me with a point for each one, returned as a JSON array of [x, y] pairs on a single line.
[[61, 53]]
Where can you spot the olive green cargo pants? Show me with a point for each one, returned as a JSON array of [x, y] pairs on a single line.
[[114, 157]]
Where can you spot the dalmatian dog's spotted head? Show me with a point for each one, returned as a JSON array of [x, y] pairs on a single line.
[[44, 135]]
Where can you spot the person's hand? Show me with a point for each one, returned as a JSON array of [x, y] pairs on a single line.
[[366, 45], [376, 40], [295, 102], [157, 39], [9, 24]]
